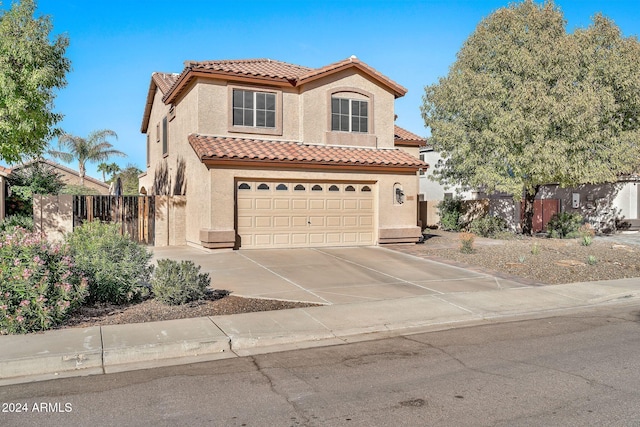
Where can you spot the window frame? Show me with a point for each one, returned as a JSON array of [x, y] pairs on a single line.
[[253, 129], [352, 104], [165, 136]]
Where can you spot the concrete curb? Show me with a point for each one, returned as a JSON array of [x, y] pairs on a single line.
[[117, 348]]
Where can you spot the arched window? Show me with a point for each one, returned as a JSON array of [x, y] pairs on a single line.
[[334, 188], [299, 187], [244, 186], [282, 187], [365, 188], [263, 186], [349, 188], [316, 188]]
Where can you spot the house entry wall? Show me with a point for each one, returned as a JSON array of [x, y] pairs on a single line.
[[281, 214]]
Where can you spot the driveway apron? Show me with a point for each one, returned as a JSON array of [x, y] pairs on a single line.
[[332, 275]]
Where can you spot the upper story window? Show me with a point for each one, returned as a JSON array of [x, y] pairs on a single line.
[[254, 109], [165, 136], [349, 115]]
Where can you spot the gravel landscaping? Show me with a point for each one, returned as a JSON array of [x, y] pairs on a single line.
[[532, 260]]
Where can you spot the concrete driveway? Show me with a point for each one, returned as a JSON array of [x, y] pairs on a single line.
[[331, 275]]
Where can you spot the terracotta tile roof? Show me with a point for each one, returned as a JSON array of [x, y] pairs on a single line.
[[225, 148], [349, 62], [252, 67], [164, 81], [4, 171], [405, 135]]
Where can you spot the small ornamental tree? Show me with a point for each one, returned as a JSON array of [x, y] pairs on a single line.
[[527, 104], [32, 68]]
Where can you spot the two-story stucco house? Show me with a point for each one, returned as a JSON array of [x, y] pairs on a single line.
[[276, 155]]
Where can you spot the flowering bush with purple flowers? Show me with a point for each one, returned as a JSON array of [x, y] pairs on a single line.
[[38, 283]]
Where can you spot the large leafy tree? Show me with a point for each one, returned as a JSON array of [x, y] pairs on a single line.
[[129, 178], [32, 68], [527, 104], [94, 148]]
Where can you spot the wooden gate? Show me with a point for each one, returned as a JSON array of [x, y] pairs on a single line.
[[543, 210], [135, 214]]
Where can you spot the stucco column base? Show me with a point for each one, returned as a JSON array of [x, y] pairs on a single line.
[[217, 239], [399, 235]]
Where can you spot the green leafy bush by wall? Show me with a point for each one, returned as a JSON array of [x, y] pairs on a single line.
[[12, 221], [450, 211], [565, 225], [39, 284], [117, 268], [176, 283], [488, 226]]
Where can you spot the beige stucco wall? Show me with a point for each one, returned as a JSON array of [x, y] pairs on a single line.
[[316, 99], [392, 219], [205, 108], [53, 215]]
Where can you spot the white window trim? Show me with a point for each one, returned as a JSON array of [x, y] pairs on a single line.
[[277, 130]]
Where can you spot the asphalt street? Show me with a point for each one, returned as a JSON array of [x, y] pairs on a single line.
[[577, 369]]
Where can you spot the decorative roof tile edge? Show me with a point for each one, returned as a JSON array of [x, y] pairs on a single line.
[[266, 155]]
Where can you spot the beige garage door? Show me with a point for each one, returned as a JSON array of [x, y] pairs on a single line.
[[300, 214]]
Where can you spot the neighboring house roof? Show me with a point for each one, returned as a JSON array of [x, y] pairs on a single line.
[[62, 168], [264, 71], [405, 138], [4, 171], [227, 150]]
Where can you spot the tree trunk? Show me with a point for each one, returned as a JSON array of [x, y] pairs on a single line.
[[81, 172], [529, 199]]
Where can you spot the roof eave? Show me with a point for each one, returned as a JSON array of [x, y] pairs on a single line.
[[297, 164], [188, 75], [398, 91]]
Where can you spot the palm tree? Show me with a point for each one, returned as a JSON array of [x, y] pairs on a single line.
[[94, 148], [111, 169]]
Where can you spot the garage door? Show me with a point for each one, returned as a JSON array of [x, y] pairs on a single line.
[[300, 214]]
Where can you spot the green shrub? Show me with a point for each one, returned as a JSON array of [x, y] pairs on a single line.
[[592, 260], [176, 283], [116, 267], [565, 225], [450, 211], [488, 226], [12, 221], [38, 283]]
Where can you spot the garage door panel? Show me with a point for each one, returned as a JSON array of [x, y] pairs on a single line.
[[316, 221], [350, 204], [262, 240], [288, 218], [333, 221], [299, 221], [333, 204], [262, 221], [316, 204], [245, 222], [316, 238], [281, 239], [365, 221], [281, 204], [281, 221], [245, 203], [350, 237], [300, 204], [263, 204], [350, 221], [366, 204], [299, 238], [334, 237]]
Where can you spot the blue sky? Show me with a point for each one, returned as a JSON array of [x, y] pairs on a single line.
[[115, 45]]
